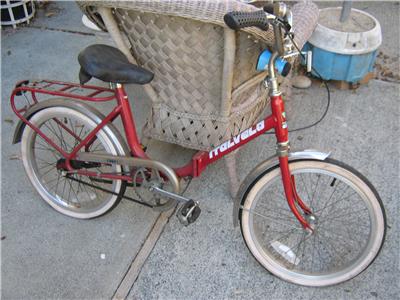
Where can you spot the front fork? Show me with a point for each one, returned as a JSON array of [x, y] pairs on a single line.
[[289, 184]]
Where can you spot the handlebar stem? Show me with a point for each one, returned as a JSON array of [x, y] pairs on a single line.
[[278, 38], [272, 79]]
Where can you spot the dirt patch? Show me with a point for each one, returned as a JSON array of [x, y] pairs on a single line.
[[47, 9], [357, 22], [387, 67]]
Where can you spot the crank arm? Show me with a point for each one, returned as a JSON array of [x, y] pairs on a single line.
[[189, 210], [167, 194]]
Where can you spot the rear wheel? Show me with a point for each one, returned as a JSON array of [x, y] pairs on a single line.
[[71, 194], [347, 215]]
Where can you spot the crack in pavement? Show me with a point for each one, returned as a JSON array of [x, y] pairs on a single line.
[[62, 30], [138, 262]]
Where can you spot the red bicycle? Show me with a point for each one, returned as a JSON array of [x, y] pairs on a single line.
[[306, 218]]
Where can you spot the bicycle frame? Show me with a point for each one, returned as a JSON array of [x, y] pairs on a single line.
[[199, 162]]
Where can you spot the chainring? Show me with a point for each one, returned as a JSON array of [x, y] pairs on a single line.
[[142, 180]]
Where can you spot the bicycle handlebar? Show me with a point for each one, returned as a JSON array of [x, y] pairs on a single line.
[[240, 19], [278, 15], [275, 14]]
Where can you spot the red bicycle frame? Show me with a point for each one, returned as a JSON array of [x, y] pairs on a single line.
[[199, 162]]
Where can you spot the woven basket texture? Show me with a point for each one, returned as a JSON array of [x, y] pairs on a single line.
[[187, 58], [182, 42]]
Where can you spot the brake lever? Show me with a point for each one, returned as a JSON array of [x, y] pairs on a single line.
[[285, 24]]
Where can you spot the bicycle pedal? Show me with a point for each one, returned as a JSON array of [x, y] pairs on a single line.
[[188, 212]]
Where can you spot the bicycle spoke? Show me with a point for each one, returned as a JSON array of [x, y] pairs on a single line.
[[302, 240], [266, 217], [328, 248], [329, 200], [348, 223], [339, 209], [67, 146], [338, 236], [52, 150], [343, 215], [44, 166], [315, 189], [65, 182], [60, 137], [45, 161], [281, 213], [58, 180], [73, 191], [305, 186], [54, 179], [286, 234], [52, 130], [312, 254], [47, 172]]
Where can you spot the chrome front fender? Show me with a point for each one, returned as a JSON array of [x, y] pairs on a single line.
[[264, 166]]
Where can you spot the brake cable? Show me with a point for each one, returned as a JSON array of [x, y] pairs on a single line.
[[290, 35]]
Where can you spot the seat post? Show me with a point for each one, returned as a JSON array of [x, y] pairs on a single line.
[[128, 121]]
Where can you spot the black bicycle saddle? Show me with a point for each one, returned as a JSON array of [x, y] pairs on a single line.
[[111, 65]]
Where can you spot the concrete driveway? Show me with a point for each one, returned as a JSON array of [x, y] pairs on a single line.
[[47, 255]]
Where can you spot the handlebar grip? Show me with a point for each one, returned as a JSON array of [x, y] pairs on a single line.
[[240, 19]]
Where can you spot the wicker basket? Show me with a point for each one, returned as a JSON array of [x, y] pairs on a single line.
[[205, 88]]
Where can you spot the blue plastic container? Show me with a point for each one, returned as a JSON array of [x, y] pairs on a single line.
[[335, 66], [344, 50]]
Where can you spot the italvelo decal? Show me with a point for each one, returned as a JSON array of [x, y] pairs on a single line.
[[244, 135]]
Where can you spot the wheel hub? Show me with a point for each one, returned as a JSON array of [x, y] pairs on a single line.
[[312, 220]]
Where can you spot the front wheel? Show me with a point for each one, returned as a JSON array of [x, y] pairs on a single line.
[[347, 215]]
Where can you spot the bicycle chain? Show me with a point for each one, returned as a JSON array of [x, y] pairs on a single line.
[[140, 201]]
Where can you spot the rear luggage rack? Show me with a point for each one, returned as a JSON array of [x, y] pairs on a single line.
[[38, 88]]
